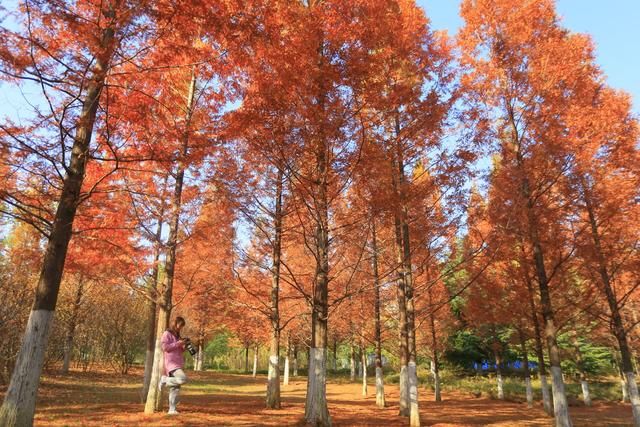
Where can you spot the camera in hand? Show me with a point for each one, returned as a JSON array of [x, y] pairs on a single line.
[[188, 345]]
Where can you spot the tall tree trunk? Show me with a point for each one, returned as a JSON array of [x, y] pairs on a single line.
[[403, 404], [199, 356], [335, 354], [286, 361], [295, 360], [316, 409], [254, 373], [19, 403], [407, 276], [616, 318], [352, 364], [199, 359], [380, 400], [623, 381], [498, 359], [152, 309], [435, 369], [412, 366], [560, 404], [151, 342], [586, 397], [246, 359], [635, 358], [71, 327], [273, 376], [625, 390], [165, 304], [525, 368], [363, 361], [546, 398]]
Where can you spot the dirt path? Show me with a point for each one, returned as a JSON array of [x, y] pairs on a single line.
[[221, 399]]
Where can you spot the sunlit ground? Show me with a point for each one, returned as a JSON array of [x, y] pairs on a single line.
[[99, 399]]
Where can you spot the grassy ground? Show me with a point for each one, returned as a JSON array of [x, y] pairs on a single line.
[[514, 389], [211, 398]]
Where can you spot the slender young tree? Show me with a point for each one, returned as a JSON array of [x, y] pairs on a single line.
[[547, 403], [166, 292], [152, 309], [273, 379], [605, 182], [534, 74], [33, 53], [526, 369], [380, 399]]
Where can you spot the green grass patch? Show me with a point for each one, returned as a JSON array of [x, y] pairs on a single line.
[[604, 389]]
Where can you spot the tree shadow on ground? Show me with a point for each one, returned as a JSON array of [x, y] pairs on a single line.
[[212, 398]]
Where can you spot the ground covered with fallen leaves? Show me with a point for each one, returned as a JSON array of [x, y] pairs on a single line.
[[210, 398]]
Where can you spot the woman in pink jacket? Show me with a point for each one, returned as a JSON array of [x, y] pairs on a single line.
[[172, 347]]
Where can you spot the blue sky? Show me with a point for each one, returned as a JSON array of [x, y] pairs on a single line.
[[613, 24]]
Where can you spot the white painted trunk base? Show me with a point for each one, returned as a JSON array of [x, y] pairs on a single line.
[[436, 382], [404, 392], [20, 401], [274, 368], [547, 403], [560, 405], [380, 402], [316, 412], [586, 397], [625, 390], [364, 381], [414, 410], [527, 382], [286, 370], [255, 363], [154, 396], [146, 379], [500, 386], [199, 362], [273, 382], [634, 397]]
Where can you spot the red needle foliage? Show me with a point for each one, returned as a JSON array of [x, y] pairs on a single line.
[[300, 171]]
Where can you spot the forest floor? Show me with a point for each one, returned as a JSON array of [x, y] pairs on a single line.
[[210, 398]]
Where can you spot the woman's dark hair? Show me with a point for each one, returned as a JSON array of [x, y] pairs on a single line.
[[180, 320]]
